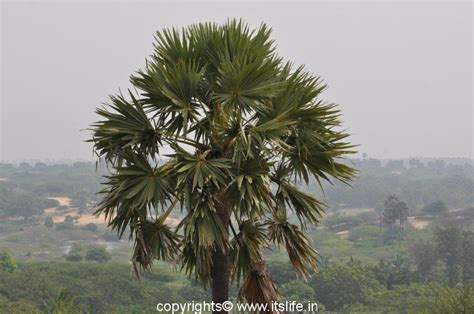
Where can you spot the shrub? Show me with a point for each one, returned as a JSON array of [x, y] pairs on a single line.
[[337, 287], [281, 271], [74, 257], [48, 202], [365, 233], [7, 262], [90, 227], [49, 223], [446, 300], [98, 254], [62, 208], [436, 207], [110, 236], [76, 253], [65, 225], [298, 291]]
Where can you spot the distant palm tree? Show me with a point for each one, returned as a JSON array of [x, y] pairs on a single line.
[[61, 303], [240, 128], [395, 210]]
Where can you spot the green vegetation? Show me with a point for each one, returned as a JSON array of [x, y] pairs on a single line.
[[394, 210], [98, 254], [7, 262], [23, 204], [48, 222], [417, 269], [108, 288], [436, 207], [90, 227], [339, 286], [419, 186], [90, 287]]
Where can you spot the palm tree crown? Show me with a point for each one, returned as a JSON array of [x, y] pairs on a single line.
[[225, 129]]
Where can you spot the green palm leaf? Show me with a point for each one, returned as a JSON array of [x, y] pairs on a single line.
[[246, 248]]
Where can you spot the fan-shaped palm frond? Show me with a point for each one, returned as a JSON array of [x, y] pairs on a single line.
[[251, 188], [154, 240], [125, 128], [306, 207], [131, 191], [200, 168]]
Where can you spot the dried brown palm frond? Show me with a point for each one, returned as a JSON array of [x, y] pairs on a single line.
[[259, 288], [300, 250]]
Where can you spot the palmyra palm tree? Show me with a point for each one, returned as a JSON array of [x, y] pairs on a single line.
[[222, 126]]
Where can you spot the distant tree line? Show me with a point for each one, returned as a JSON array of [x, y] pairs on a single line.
[[24, 204], [417, 183]]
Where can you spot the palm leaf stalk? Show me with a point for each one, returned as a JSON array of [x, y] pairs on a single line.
[[224, 127]]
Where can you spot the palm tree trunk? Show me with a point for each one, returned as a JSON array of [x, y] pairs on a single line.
[[220, 272]]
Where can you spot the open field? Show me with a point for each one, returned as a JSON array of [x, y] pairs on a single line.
[[82, 218]]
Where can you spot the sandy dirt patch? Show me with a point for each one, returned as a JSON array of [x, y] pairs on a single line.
[[418, 224], [58, 216], [85, 218], [50, 210], [343, 234], [89, 218], [351, 211], [63, 200]]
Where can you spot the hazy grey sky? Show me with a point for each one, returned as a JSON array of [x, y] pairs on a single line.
[[401, 72]]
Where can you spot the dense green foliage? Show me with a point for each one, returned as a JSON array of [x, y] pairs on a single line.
[[48, 222], [99, 288], [98, 254], [56, 179], [26, 188], [340, 286], [93, 288], [21, 203], [435, 207], [394, 210], [394, 284], [418, 186], [297, 290], [454, 247], [7, 262], [413, 270]]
